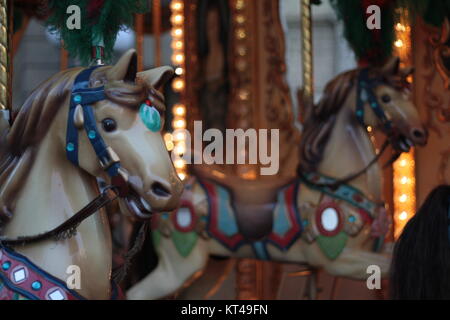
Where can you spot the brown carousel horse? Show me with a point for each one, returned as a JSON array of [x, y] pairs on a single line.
[[331, 217], [80, 125]]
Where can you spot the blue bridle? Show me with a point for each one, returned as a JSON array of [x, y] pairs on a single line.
[[85, 97], [365, 94]]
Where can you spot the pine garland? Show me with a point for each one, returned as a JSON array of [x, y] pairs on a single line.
[[375, 46], [371, 46], [101, 20]]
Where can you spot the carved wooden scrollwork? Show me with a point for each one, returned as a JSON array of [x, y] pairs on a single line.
[[436, 62]]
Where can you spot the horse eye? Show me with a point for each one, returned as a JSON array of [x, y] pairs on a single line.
[[386, 98], [109, 124]]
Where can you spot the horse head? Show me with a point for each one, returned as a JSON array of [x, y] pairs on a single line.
[[386, 92], [129, 121]]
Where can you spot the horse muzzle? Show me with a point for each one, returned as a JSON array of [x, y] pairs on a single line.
[[160, 197]]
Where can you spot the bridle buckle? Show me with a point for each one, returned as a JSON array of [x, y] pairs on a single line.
[[109, 159]]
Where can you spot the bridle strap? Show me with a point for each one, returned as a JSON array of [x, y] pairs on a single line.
[[68, 227], [338, 182], [84, 97], [365, 94]]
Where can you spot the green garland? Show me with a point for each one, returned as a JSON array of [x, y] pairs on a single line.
[[372, 46], [97, 26]]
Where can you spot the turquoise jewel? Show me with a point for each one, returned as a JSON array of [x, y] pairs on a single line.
[[77, 98], [305, 223], [6, 265], [70, 147], [359, 113], [352, 219], [92, 134], [150, 117], [36, 285]]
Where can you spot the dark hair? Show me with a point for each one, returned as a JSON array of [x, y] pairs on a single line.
[[421, 261]]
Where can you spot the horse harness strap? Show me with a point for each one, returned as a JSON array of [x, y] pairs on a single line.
[[68, 227], [365, 94], [83, 96], [343, 192]]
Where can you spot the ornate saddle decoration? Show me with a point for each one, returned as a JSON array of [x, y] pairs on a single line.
[[21, 279]]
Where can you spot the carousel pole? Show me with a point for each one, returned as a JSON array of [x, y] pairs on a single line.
[[140, 40], [5, 61], [157, 30], [307, 55]]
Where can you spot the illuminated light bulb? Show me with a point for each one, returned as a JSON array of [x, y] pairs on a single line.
[[179, 163], [240, 19], [177, 45], [369, 129], [178, 58], [177, 32], [178, 84], [177, 19], [403, 198], [179, 71], [182, 175], [400, 27], [180, 149], [179, 110], [180, 136], [403, 163], [240, 4], [398, 43], [403, 215], [404, 180], [241, 34], [179, 124], [176, 5]]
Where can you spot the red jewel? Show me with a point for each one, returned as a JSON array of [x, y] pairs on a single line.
[[357, 198], [148, 102]]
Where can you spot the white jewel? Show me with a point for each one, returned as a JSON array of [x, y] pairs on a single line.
[[56, 295], [330, 219], [19, 275], [184, 217]]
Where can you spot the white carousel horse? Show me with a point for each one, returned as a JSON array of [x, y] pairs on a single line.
[[81, 124], [331, 217]]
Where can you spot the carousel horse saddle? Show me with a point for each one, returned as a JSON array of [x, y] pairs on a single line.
[[234, 223], [21, 279]]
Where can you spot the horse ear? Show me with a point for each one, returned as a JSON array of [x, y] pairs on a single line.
[[157, 77], [392, 66], [125, 69], [407, 71]]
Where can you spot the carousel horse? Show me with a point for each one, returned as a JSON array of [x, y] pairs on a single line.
[[421, 259], [79, 127], [330, 217]]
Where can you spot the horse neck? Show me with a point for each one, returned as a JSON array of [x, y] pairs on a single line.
[[54, 191], [349, 149]]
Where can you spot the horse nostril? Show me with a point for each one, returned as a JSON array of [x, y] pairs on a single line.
[[160, 190], [418, 133]]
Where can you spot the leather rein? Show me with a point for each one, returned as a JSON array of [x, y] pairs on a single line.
[[364, 94], [84, 96]]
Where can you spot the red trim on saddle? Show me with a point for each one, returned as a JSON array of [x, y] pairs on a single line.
[[284, 241], [231, 242]]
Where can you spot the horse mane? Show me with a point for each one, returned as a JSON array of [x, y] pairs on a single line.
[[19, 144], [320, 120]]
